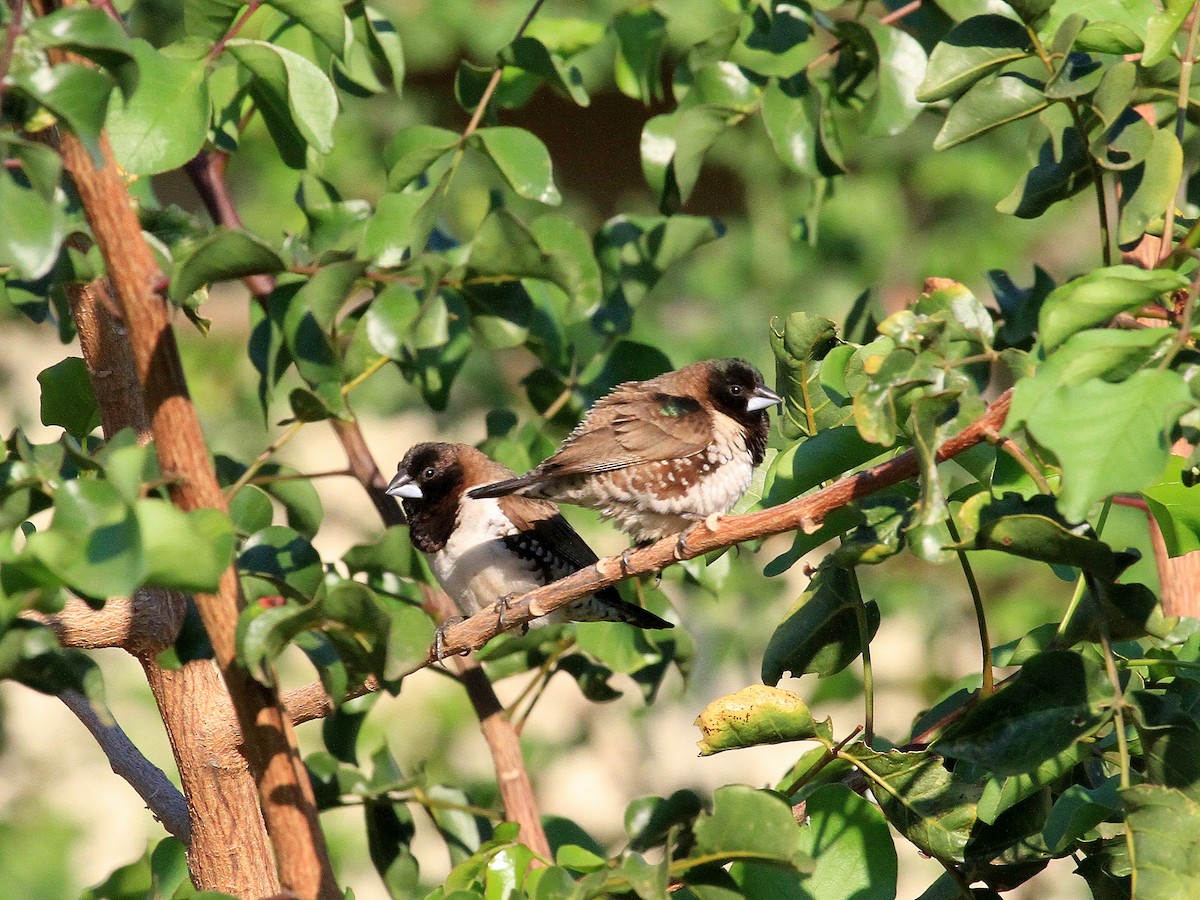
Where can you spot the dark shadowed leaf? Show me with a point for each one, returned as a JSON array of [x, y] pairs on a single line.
[[969, 51], [68, 399], [1056, 700], [224, 254]]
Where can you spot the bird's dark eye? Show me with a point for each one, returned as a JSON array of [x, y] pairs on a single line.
[[427, 473], [735, 390]]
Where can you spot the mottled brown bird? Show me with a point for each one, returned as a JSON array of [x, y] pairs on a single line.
[[487, 550], [658, 455]]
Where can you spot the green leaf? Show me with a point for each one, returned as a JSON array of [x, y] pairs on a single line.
[[820, 633], [185, 551], [755, 715], [414, 149], [801, 467], [68, 399], [673, 147], [223, 254], [523, 162], [531, 55], [641, 34], [1095, 298], [799, 349], [900, 69], [75, 94], [648, 820], [209, 18], [1077, 811], [322, 17], [296, 99], [752, 822], [94, 543], [390, 318], [92, 33], [1100, 353], [1062, 168], [1176, 509], [849, 840], [283, 556], [165, 122], [1057, 699], [1161, 31], [1003, 792], [1165, 825], [1150, 188], [987, 106], [1035, 530], [1109, 438], [1031, 11], [969, 51], [801, 128], [922, 800], [32, 228]]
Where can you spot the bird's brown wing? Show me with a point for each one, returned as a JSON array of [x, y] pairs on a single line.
[[546, 524], [628, 428]]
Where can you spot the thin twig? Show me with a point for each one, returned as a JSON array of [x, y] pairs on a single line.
[[494, 81], [1013, 449], [989, 679], [261, 460], [864, 637], [10, 40], [891, 18], [1185, 86], [219, 46], [299, 476]]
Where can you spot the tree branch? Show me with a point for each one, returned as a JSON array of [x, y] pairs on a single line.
[[229, 850], [143, 624], [284, 788], [152, 785], [804, 513]]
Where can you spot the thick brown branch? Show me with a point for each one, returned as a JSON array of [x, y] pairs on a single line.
[[152, 785], [143, 624], [284, 788], [229, 850]]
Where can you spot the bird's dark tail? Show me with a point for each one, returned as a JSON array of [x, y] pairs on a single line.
[[500, 488], [623, 611]]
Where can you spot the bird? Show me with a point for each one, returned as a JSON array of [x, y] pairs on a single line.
[[489, 550], [657, 456]]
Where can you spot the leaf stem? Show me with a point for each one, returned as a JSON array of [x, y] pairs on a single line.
[[251, 470], [1152, 661], [494, 81], [366, 373], [989, 679], [10, 40], [1013, 449], [1181, 104], [864, 636], [219, 46]]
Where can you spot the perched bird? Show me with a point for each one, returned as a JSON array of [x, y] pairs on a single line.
[[658, 455], [487, 550]]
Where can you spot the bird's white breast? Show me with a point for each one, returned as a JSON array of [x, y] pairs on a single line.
[[475, 567]]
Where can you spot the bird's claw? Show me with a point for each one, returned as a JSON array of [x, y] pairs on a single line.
[[502, 608], [626, 565], [683, 550], [439, 638]]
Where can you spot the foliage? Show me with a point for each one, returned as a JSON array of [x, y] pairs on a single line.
[[472, 253]]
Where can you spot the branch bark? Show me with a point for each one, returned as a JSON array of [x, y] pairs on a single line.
[[284, 790], [150, 782], [228, 849]]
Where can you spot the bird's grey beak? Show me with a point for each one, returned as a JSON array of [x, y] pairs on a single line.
[[403, 486], [761, 398]]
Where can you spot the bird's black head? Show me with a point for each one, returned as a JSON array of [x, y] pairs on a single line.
[[736, 388], [428, 484]]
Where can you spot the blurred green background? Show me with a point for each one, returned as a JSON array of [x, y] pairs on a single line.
[[902, 214]]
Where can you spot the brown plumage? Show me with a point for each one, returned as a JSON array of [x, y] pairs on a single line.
[[658, 455], [486, 550]]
